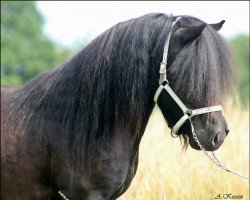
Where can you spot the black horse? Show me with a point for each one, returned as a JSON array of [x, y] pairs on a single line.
[[77, 128]]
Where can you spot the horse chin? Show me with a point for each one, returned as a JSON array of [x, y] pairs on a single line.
[[208, 146], [194, 144]]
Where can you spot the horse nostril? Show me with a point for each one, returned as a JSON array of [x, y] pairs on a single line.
[[215, 140], [227, 131]]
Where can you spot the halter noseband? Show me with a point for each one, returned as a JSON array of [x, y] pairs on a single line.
[[187, 113]]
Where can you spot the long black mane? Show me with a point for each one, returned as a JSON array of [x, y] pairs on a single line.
[[202, 73], [107, 88]]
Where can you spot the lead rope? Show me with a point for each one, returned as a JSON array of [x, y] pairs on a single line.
[[213, 157]]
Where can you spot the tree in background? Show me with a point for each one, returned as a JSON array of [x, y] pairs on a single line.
[[240, 47], [25, 50]]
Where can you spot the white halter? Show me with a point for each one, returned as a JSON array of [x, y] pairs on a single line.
[[187, 113]]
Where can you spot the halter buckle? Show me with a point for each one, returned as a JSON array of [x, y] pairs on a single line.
[[163, 68]]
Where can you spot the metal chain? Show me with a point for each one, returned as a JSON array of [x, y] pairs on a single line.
[[213, 157]]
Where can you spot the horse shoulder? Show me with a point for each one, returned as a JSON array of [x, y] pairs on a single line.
[[109, 177]]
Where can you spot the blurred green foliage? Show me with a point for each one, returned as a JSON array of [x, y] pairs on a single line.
[[26, 51], [240, 48]]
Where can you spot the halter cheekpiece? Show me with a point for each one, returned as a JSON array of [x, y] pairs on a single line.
[[187, 112]]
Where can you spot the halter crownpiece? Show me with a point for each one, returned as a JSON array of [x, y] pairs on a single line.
[[163, 66]]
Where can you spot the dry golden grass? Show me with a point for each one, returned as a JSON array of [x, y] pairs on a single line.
[[166, 172]]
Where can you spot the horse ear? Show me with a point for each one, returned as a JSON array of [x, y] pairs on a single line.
[[217, 26], [188, 34]]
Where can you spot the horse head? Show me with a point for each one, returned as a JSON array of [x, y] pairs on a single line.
[[197, 68]]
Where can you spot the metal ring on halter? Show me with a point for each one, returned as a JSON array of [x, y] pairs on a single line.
[[165, 82], [189, 113], [174, 135]]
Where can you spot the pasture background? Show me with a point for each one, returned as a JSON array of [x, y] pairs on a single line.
[[164, 171]]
